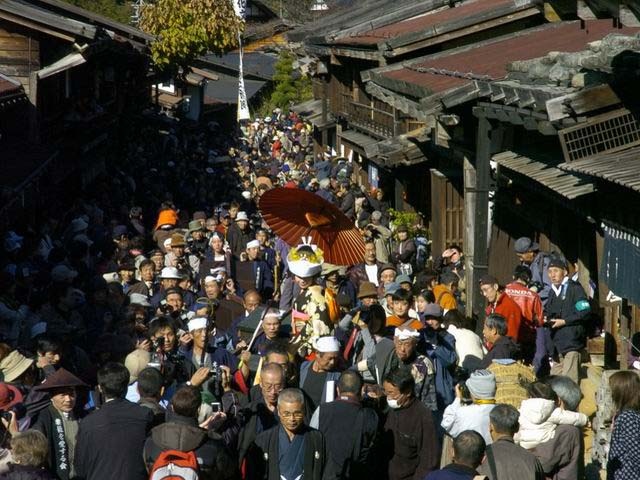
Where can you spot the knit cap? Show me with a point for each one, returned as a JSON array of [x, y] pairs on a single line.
[[482, 384]]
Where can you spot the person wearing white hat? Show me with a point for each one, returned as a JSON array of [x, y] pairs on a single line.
[[200, 359], [169, 278], [139, 299], [239, 234], [318, 377], [254, 273], [310, 313], [271, 333]]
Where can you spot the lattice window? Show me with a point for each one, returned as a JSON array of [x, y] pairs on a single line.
[[609, 132]]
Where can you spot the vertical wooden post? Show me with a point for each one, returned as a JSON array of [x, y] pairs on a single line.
[[625, 340], [480, 222], [399, 194], [469, 179], [325, 112]]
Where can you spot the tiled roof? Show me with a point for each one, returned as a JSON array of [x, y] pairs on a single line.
[[430, 20], [441, 72]]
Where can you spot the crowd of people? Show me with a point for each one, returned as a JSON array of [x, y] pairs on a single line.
[[158, 328]]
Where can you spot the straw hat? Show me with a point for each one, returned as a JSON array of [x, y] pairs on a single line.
[[14, 365], [135, 362]]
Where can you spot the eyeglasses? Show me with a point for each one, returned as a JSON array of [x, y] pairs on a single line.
[[272, 388], [297, 415]]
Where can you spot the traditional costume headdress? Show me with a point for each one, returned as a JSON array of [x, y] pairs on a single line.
[[306, 259]]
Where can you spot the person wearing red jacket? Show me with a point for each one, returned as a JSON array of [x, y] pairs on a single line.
[[528, 300], [500, 302]]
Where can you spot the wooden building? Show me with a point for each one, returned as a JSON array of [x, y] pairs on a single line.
[[485, 175], [80, 72], [388, 137]]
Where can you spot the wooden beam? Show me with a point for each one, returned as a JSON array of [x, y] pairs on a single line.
[[546, 128], [530, 124], [584, 101], [511, 96], [498, 94], [35, 26]]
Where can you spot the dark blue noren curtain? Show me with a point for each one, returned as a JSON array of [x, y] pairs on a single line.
[[620, 267]]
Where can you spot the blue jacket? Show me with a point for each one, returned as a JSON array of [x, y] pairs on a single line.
[[440, 346]]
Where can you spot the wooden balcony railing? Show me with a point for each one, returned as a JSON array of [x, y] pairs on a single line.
[[374, 120]]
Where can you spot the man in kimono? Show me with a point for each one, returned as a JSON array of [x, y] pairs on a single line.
[[59, 422], [291, 450]]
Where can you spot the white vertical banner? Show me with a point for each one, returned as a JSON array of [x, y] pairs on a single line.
[[240, 7]]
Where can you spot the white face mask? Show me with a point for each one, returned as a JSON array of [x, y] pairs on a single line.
[[393, 403]]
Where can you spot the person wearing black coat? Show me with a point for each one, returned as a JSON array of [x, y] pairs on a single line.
[[351, 451], [347, 202], [261, 414], [110, 439], [494, 333], [566, 312], [291, 449], [26, 472], [181, 432]]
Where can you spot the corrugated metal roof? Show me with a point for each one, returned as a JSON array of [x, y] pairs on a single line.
[[434, 21], [545, 173], [490, 59], [622, 168]]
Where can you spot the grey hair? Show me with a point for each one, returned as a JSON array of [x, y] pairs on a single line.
[[567, 390], [30, 448], [497, 321], [504, 419], [291, 395]]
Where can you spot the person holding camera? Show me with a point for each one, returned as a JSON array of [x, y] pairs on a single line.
[[210, 366], [566, 312], [59, 422], [197, 241], [183, 433], [179, 257], [404, 252], [379, 235], [173, 306]]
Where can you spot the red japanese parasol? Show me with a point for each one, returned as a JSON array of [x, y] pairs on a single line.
[[294, 213]]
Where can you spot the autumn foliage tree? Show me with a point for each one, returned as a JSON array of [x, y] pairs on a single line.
[[186, 29]]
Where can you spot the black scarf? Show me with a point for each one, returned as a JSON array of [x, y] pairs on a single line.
[[60, 450]]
